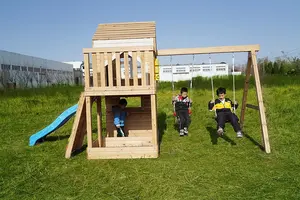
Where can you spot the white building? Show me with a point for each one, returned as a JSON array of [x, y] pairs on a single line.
[[28, 71], [186, 72]]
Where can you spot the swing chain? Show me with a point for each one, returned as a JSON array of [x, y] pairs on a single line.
[[233, 82]]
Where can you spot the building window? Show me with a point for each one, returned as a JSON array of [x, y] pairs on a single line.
[[206, 69], [43, 70], [195, 69], [30, 69], [5, 67], [15, 67], [180, 69], [24, 68], [221, 68], [167, 70], [37, 69]]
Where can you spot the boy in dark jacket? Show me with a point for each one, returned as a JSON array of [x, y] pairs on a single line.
[[182, 107], [119, 117], [223, 108]]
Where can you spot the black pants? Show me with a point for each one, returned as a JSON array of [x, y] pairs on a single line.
[[223, 117], [120, 132], [184, 118]]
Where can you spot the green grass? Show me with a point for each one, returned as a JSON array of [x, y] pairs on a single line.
[[200, 166]]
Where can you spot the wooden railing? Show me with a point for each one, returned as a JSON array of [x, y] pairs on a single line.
[[119, 69]]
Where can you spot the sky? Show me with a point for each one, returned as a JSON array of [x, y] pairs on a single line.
[[60, 29]]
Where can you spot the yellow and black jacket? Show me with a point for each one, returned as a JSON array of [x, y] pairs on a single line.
[[220, 107]]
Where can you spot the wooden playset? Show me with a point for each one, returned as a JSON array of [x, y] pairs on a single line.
[[121, 64]]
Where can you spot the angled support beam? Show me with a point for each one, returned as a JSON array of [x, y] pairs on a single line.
[[263, 120]]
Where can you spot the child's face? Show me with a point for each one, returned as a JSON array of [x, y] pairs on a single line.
[[221, 96], [184, 94], [123, 107]]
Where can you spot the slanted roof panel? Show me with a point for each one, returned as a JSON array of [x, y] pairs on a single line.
[[130, 30]]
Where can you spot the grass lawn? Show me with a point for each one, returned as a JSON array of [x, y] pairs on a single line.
[[200, 166]]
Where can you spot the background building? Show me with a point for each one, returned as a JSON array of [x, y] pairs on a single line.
[[181, 72], [28, 71]]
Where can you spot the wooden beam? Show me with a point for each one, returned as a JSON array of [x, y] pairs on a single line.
[[118, 69], [89, 121], [154, 119], [263, 120], [117, 49], [102, 69], [99, 122], [246, 87], [122, 152], [110, 70], [87, 70], [95, 70], [252, 106], [143, 69], [207, 50], [134, 68], [126, 68], [121, 91]]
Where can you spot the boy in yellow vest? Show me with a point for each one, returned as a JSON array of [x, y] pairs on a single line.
[[223, 107]]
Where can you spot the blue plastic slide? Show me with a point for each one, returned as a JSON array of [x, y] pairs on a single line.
[[57, 123]]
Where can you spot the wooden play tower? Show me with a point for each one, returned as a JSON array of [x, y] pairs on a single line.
[[120, 64]]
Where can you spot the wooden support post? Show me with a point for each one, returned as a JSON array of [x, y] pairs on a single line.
[[154, 119], [143, 68], [99, 122], [89, 121], [95, 70], [126, 69], [134, 68], [260, 104], [87, 70], [151, 68], [100, 57], [118, 69], [246, 87], [110, 70]]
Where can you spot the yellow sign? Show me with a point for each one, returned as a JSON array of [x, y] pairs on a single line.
[[157, 77], [156, 63]]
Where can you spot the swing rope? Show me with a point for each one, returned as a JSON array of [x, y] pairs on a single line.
[[173, 89], [212, 84], [233, 82]]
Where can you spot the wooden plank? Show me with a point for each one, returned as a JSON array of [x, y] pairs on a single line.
[[207, 50], [122, 152], [117, 49], [89, 121], [102, 69], [128, 141], [118, 69], [246, 87], [143, 69], [252, 106], [126, 67], [134, 68], [95, 70], [99, 122], [151, 68], [154, 119], [263, 120], [87, 70], [110, 70], [77, 131], [117, 91]]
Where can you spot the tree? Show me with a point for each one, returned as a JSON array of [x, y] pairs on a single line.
[[275, 68]]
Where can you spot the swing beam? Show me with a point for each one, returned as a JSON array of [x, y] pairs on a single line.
[[251, 65], [209, 50]]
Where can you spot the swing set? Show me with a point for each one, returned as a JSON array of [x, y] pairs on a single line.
[[251, 64]]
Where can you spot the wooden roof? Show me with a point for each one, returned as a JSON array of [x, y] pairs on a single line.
[[128, 30]]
